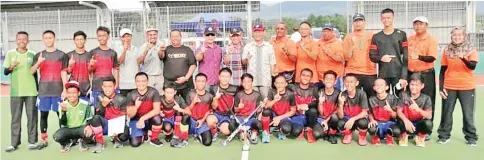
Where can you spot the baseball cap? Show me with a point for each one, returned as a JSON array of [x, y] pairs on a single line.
[[209, 30], [258, 27], [74, 84], [358, 16], [151, 28], [236, 30], [421, 19], [125, 31], [328, 26]]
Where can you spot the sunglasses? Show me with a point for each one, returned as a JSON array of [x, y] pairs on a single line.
[[210, 34]]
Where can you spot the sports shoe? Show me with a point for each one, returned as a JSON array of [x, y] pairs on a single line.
[[427, 137], [471, 143], [375, 140], [420, 140], [347, 137], [145, 137], [33, 146], [168, 138], [362, 138], [310, 137], [156, 142], [214, 137], [266, 137], [11, 149], [281, 136], [332, 139], [253, 137], [196, 138], [43, 144], [178, 143], [443, 141], [99, 148], [82, 145], [403, 142], [117, 143], [67, 147], [390, 141]]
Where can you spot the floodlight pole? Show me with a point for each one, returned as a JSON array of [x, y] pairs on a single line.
[[249, 20]]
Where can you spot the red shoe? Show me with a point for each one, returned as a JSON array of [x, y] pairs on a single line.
[[362, 138], [390, 140], [348, 137], [375, 140], [311, 138], [301, 135]]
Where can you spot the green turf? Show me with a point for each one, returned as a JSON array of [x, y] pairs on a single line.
[[279, 150]]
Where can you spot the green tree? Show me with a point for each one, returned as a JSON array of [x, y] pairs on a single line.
[[290, 23]]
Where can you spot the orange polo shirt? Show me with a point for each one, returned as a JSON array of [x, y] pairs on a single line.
[[283, 63], [425, 45], [458, 76], [325, 62], [304, 61], [360, 62]]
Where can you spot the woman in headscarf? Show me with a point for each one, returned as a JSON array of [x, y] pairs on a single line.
[[457, 81]]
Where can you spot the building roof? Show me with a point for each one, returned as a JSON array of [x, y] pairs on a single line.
[[27, 6]]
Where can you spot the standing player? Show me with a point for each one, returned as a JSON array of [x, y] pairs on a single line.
[[279, 109], [330, 56], [200, 105], [306, 105], [415, 113], [352, 111], [422, 49], [104, 62], [23, 91], [79, 64], [327, 107], [143, 109], [285, 53], [52, 64], [306, 53], [150, 58], [246, 101], [233, 56], [127, 55], [356, 49], [389, 49], [209, 57], [223, 105], [383, 109], [172, 109]]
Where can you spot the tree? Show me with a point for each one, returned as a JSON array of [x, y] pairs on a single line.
[[290, 23]]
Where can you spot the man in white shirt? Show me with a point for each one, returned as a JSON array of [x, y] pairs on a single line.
[[150, 59], [127, 59]]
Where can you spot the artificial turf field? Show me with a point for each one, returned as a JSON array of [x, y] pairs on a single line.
[[288, 149]]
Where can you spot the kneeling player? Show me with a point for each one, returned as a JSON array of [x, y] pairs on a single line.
[[75, 118], [352, 111], [172, 112], [306, 105], [278, 110], [327, 107], [415, 113], [112, 105], [246, 101], [223, 105], [200, 105], [383, 108], [144, 112]]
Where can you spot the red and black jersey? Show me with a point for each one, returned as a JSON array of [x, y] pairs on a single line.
[[355, 105], [106, 62], [116, 108], [201, 108], [226, 101], [50, 72], [80, 70], [250, 101], [150, 97], [423, 102], [167, 108], [330, 105], [305, 96], [288, 101], [377, 110]]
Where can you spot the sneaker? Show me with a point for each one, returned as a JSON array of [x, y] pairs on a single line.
[[443, 141], [43, 144], [168, 138], [67, 147], [332, 139], [33, 146], [178, 143], [196, 138], [117, 143], [362, 138], [99, 148], [403, 142], [471, 143], [348, 137], [310, 137], [145, 137], [82, 145], [427, 137], [156, 143], [214, 137], [420, 141], [253, 137], [265, 137], [281, 136], [375, 140], [390, 141], [11, 149]]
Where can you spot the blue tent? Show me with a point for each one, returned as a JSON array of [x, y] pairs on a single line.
[[191, 25]]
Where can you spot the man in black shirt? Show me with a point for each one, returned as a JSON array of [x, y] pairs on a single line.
[[389, 49]]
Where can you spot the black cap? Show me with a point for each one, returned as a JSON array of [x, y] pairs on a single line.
[[328, 26], [358, 16], [236, 30], [209, 30]]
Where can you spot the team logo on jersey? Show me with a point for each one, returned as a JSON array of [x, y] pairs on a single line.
[[81, 113], [29, 60]]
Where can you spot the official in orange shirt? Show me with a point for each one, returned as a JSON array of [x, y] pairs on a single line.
[[330, 56], [356, 49], [285, 52], [457, 81], [422, 52], [306, 52]]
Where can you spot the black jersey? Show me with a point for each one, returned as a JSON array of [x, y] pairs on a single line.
[[226, 101], [167, 108], [394, 44]]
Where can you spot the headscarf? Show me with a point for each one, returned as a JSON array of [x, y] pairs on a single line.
[[463, 49]]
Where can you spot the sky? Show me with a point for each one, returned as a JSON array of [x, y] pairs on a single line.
[[128, 5]]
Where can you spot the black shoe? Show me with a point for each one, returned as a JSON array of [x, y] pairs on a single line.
[[11, 149], [145, 138], [42, 145], [156, 143], [471, 143], [168, 138], [332, 139]]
